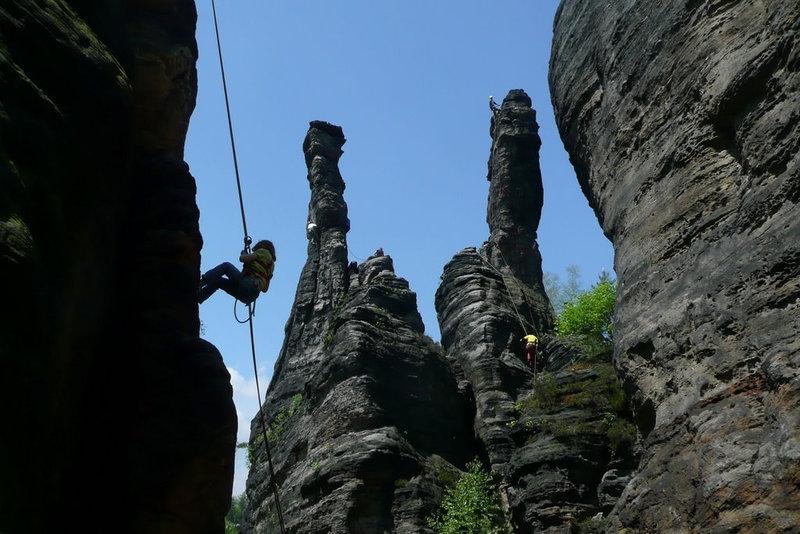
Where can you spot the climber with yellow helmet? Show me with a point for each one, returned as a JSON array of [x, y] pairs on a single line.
[[246, 284], [531, 342]]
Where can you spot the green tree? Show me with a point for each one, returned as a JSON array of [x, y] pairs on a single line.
[[560, 292], [589, 318], [471, 506], [234, 518]]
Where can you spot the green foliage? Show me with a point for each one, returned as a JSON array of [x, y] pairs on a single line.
[[276, 428], [471, 506], [589, 318], [598, 395], [546, 393], [609, 418], [278, 425], [251, 450], [545, 396], [234, 518], [446, 479]]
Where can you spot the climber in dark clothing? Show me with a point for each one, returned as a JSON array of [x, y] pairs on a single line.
[[246, 284], [493, 105]]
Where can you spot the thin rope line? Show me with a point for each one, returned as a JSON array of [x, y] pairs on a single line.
[[521, 290], [247, 241], [230, 128], [273, 483], [508, 290]]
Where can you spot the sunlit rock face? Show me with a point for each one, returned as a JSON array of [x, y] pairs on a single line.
[[681, 119], [490, 298], [364, 415], [117, 413], [541, 432]]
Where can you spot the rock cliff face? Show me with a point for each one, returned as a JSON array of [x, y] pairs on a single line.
[[115, 412], [369, 421], [364, 413], [681, 119], [547, 446], [490, 298]]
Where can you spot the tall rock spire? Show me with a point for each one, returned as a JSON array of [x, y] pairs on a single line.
[[323, 277], [363, 411], [515, 203], [533, 429], [490, 298]]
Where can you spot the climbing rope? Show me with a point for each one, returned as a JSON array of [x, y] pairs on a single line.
[[250, 314], [250, 306], [510, 295], [532, 324], [511, 298], [247, 240], [273, 482]]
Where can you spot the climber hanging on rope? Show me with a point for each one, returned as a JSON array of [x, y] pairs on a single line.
[[245, 285], [531, 342]]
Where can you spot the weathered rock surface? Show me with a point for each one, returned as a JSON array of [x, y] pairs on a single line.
[[682, 122], [364, 412], [117, 417], [369, 421], [489, 299], [545, 440]]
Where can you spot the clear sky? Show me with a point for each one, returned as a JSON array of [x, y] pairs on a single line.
[[409, 83]]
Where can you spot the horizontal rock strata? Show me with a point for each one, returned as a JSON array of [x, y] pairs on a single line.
[[547, 446], [681, 119]]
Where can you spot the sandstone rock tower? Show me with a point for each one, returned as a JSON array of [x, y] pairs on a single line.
[[681, 121], [363, 408]]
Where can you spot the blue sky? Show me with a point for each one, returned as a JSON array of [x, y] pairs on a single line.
[[409, 83]]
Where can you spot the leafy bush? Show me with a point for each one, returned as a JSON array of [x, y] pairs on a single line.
[[470, 506], [233, 519], [275, 430], [589, 318]]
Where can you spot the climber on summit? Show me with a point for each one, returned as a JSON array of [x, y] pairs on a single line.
[[245, 285], [493, 105], [531, 342], [311, 231]]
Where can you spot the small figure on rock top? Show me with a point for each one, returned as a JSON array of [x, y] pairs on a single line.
[[493, 105], [246, 284], [311, 231]]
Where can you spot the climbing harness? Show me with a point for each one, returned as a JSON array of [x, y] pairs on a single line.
[[250, 306]]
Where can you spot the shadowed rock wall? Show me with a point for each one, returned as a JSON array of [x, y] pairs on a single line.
[[117, 415], [681, 119]]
